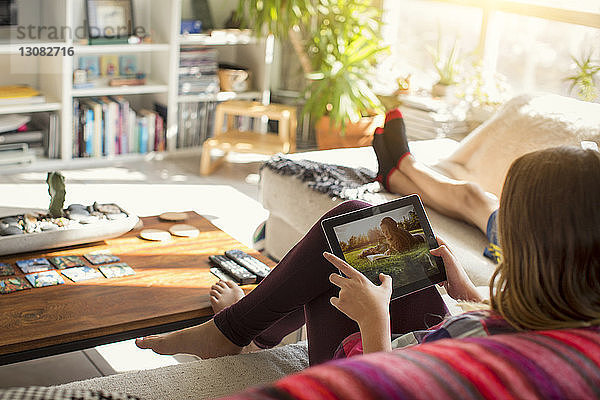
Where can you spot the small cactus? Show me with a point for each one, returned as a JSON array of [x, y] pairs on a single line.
[[56, 189]]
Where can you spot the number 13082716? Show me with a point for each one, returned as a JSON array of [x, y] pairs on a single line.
[[47, 51]]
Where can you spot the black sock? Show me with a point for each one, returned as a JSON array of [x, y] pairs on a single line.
[[384, 160], [394, 133]]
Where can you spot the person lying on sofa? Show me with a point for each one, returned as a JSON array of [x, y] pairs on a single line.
[[549, 278], [399, 172]]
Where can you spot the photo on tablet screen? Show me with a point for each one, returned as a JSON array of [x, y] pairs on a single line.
[[392, 242]]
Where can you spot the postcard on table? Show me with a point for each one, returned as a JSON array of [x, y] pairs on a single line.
[[67, 262], [116, 270], [46, 278], [78, 274], [34, 265], [13, 284]]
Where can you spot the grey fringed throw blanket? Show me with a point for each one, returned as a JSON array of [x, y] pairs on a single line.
[[334, 180]]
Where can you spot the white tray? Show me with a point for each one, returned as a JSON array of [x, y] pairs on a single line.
[[68, 236]]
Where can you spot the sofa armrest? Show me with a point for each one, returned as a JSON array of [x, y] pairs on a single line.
[[205, 378]]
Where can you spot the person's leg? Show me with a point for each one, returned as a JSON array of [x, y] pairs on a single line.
[[403, 174], [458, 199], [225, 293], [300, 277]]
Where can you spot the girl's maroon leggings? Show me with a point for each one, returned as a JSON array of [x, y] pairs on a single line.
[[297, 292]]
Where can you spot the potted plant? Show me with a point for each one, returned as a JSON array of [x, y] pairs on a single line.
[[446, 64], [584, 78], [338, 43]]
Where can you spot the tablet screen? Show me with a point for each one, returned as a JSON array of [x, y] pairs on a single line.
[[393, 242]]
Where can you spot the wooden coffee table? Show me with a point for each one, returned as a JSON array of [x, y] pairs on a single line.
[[169, 291]]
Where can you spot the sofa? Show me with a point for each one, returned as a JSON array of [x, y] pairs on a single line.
[[552, 364], [526, 123]]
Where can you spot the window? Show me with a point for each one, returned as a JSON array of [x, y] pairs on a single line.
[[528, 41]]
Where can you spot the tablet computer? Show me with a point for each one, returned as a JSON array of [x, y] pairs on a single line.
[[393, 238]]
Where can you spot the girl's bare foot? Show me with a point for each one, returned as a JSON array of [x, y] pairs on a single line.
[[223, 294], [205, 340]]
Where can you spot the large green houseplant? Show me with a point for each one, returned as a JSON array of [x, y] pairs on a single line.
[[338, 43]]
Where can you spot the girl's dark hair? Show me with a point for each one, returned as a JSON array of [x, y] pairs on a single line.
[[549, 226]]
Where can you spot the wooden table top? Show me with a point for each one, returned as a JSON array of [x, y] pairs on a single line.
[[171, 284]]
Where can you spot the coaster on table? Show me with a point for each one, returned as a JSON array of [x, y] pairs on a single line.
[[116, 270], [13, 284], [101, 258], [156, 235], [184, 230], [6, 270], [67, 262], [34, 265], [173, 216], [81, 273], [46, 278]]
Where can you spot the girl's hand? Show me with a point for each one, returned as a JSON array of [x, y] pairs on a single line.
[[458, 284], [359, 298], [365, 303]]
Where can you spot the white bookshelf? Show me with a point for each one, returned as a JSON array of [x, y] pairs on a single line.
[[159, 60], [123, 48], [49, 105], [221, 96], [104, 90]]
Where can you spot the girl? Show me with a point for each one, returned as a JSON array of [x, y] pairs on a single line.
[[549, 227]]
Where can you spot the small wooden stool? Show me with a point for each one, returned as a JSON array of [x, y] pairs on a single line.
[[249, 142]]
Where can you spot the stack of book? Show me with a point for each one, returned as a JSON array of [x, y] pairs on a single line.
[[198, 71], [20, 94], [36, 133], [195, 123], [107, 126], [429, 118]]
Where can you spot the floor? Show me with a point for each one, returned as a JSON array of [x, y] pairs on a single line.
[[229, 198]]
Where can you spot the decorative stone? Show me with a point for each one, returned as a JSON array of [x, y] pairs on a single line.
[[9, 221], [156, 235], [184, 230], [74, 207], [61, 221], [173, 216], [30, 227], [107, 208], [48, 227], [88, 219], [77, 215], [114, 217], [10, 231], [30, 218]]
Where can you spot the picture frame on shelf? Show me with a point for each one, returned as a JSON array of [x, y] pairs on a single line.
[[109, 21], [202, 13], [128, 64], [8, 13]]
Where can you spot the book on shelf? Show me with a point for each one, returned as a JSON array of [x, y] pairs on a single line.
[[108, 126], [18, 153], [195, 123], [13, 122], [39, 136], [198, 71], [20, 94]]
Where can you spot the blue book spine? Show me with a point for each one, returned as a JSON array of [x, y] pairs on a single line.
[[89, 133], [143, 132]]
